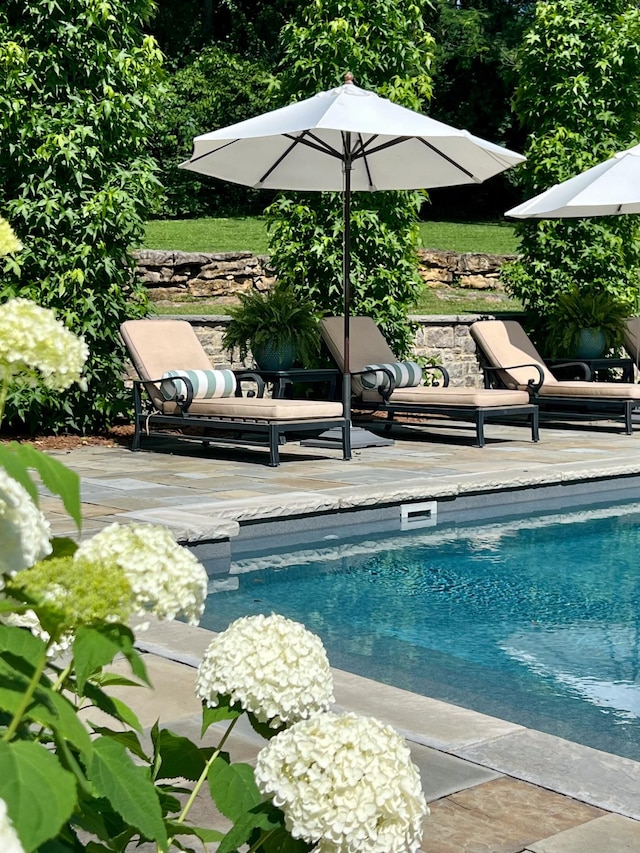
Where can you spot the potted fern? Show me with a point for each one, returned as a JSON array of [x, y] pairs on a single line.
[[587, 323], [277, 326]]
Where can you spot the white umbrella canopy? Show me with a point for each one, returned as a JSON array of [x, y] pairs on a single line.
[[608, 189], [346, 139]]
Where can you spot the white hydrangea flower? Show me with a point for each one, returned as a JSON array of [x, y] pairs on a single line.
[[24, 531], [9, 841], [345, 783], [36, 347], [165, 577], [274, 667], [9, 243]]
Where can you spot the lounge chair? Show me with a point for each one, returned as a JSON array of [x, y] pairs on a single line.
[[632, 339], [509, 358], [157, 347], [437, 402]]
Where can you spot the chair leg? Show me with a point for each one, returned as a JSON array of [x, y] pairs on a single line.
[[274, 440], [628, 419], [535, 423], [480, 428]]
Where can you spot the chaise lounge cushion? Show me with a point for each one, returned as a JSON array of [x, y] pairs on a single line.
[[505, 343], [435, 395], [259, 408]]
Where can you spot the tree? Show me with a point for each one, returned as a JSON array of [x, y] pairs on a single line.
[[76, 106], [216, 89], [388, 50], [474, 80], [578, 93]]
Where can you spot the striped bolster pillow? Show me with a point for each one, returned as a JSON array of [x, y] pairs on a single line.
[[206, 384], [407, 374]]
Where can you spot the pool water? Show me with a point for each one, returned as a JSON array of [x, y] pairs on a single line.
[[534, 621]]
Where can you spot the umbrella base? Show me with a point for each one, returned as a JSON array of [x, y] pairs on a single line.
[[359, 438]]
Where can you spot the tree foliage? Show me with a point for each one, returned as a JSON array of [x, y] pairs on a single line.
[[474, 80], [216, 89], [388, 50], [76, 105], [578, 93]]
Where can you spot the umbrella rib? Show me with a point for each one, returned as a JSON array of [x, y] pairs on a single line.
[[363, 157], [297, 140], [448, 159]]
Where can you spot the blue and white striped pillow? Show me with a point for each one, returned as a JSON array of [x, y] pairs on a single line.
[[407, 374], [206, 384]]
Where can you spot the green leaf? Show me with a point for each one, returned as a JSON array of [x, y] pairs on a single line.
[[264, 817], [128, 789], [179, 757], [111, 706], [94, 647], [281, 841], [207, 836], [129, 740], [59, 479], [17, 470], [22, 643], [233, 788], [62, 546], [39, 793], [223, 711]]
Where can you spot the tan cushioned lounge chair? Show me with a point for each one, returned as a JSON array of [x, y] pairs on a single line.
[[156, 346], [368, 346], [632, 339], [505, 345]]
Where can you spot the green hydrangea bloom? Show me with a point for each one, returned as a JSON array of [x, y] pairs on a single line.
[[69, 593]]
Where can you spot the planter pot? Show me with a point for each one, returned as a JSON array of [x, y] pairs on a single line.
[[273, 357], [591, 343]]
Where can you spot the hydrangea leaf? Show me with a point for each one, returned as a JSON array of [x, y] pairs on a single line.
[[59, 479], [223, 711], [17, 641], [128, 739], [94, 647], [207, 836], [18, 470], [233, 788], [179, 757], [40, 795], [263, 817], [111, 706], [128, 789]]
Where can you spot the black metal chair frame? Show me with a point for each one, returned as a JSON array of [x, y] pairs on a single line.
[[271, 433]]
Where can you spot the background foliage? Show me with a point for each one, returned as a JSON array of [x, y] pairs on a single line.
[[76, 182], [214, 89], [579, 72], [320, 45]]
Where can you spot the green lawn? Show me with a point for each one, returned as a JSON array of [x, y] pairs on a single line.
[[249, 234]]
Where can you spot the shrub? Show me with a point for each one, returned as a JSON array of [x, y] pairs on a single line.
[[76, 105]]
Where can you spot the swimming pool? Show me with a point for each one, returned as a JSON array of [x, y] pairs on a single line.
[[536, 621]]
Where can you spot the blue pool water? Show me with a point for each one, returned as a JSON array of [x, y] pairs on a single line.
[[534, 621]]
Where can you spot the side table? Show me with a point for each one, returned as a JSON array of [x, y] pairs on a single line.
[[283, 379], [596, 365]]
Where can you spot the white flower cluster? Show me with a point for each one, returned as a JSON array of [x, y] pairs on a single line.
[[24, 531], [345, 783], [165, 577], [9, 243], [9, 841], [38, 348], [275, 668]]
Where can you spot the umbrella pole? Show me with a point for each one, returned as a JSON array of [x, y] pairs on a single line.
[[346, 277]]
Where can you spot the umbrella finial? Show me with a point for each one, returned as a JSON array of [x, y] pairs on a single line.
[[348, 77]]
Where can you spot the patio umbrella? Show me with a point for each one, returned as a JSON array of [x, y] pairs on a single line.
[[608, 189], [347, 139]]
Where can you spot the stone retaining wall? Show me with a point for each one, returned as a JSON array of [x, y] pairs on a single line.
[[183, 276], [445, 338]]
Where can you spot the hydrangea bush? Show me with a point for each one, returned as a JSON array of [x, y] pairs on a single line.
[[325, 782]]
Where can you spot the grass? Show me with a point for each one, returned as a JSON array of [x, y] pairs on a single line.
[[250, 234]]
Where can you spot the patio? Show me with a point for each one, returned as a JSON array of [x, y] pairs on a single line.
[[493, 786]]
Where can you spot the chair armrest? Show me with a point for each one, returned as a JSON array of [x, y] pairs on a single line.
[[384, 391], [247, 376], [532, 383], [443, 370], [586, 370], [181, 400]]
